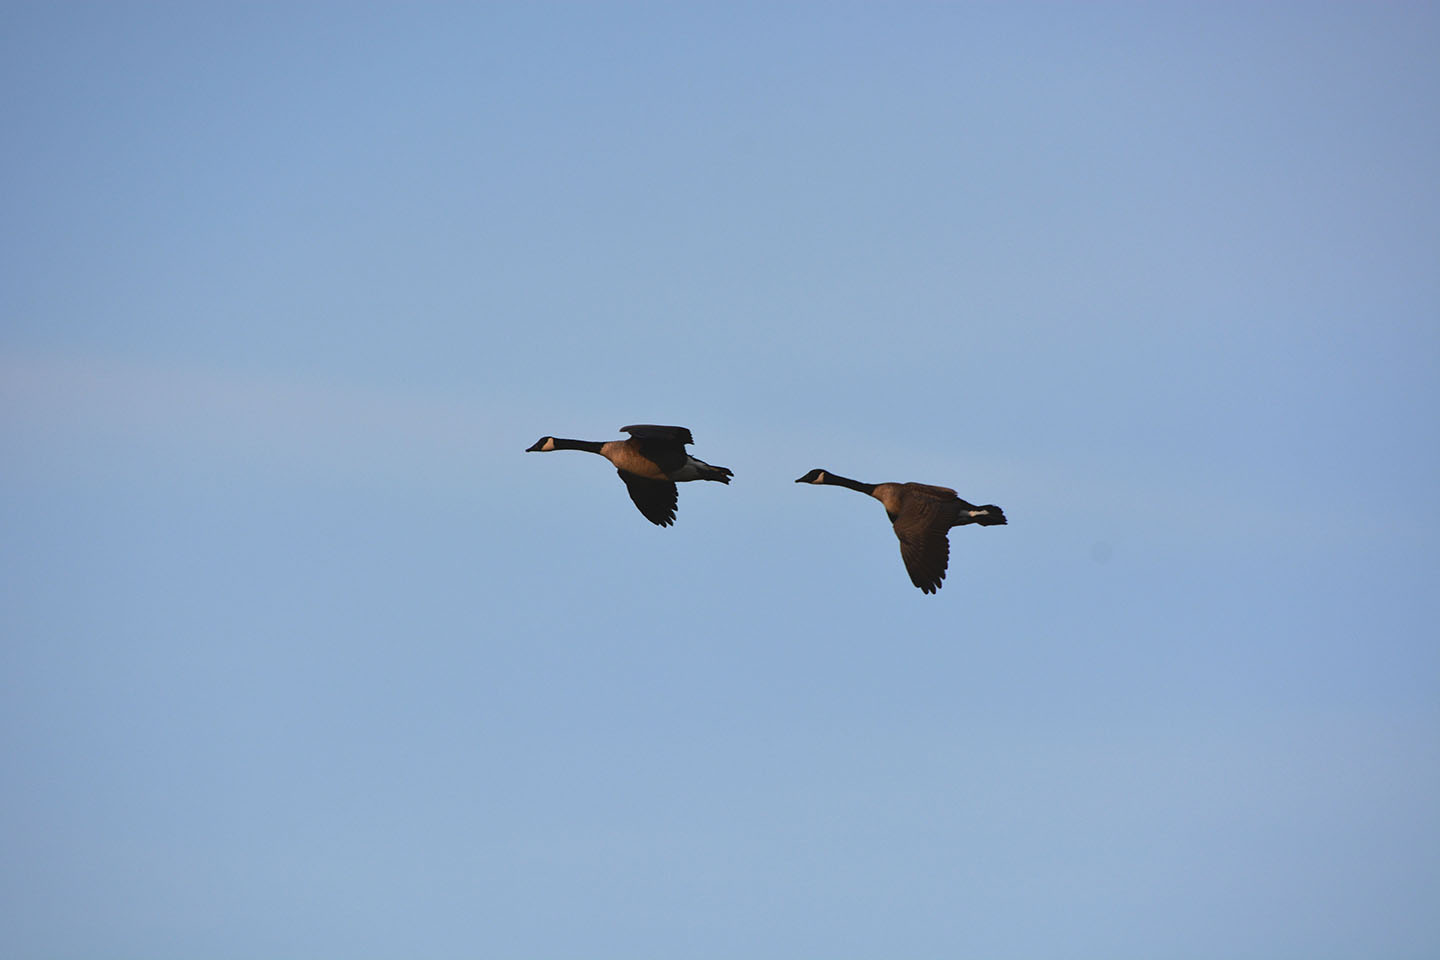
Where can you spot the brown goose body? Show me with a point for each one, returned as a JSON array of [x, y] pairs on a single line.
[[651, 461], [921, 515]]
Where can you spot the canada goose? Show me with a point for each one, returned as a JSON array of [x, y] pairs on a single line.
[[922, 515], [651, 462]]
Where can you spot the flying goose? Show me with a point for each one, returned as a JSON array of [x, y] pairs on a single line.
[[922, 515], [651, 462]]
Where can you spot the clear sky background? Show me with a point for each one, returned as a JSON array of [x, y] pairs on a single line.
[[303, 657]]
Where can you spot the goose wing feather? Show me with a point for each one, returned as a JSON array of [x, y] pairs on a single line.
[[656, 499], [651, 431], [921, 528], [942, 493]]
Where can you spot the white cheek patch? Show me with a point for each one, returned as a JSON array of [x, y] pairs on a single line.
[[549, 445]]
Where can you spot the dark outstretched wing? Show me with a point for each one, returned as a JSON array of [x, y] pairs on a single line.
[[655, 498], [650, 431], [939, 493], [922, 528]]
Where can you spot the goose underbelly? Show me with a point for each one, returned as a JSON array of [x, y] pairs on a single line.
[[691, 469], [632, 461]]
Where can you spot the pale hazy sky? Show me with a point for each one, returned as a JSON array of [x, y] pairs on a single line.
[[304, 657]]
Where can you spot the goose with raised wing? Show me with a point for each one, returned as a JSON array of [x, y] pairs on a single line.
[[922, 516], [650, 462]]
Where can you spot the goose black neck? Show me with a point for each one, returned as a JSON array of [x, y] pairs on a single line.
[[840, 481], [589, 446]]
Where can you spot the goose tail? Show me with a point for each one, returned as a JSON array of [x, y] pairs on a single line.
[[987, 516], [721, 474]]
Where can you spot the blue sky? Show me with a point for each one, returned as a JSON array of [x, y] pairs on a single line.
[[305, 657]]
